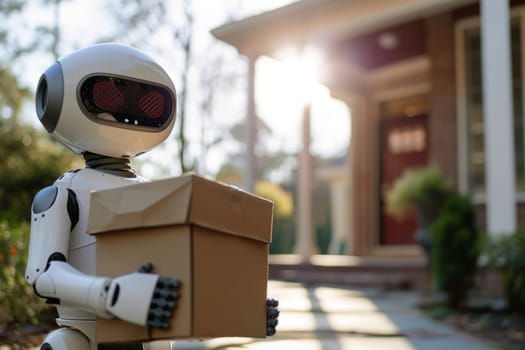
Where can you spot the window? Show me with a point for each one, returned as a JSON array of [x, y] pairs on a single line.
[[471, 106], [407, 139]]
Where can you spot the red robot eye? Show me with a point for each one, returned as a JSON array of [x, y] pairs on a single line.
[[106, 96], [152, 104]]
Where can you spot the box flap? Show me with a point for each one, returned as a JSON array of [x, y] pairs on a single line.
[[189, 199], [229, 209], [147, 204]]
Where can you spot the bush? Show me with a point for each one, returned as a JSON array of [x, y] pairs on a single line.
[[19, 306], [456, 245], [507, 254], [282, 200], [283, 224], [30, 161], [421, 189]]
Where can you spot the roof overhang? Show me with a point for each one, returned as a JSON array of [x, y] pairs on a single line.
[[319, 21]]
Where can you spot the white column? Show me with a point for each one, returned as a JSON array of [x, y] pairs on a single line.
[[339, 205], [251, 129], [305, 236], [497, 113]]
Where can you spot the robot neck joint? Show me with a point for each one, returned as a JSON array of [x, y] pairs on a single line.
[[114, 166]]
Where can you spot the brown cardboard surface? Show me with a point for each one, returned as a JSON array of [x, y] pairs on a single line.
[[226, 284], [214, 238], [185, 199], [228, 209]]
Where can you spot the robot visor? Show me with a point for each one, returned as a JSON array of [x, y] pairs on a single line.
[[126, 101]]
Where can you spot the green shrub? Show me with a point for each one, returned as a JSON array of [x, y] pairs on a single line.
[[282, 200], [19, 306], [456, 245], [29, 162], [507, 254], [422, 189], [283, 220]]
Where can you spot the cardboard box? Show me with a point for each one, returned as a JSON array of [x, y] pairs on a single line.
[[212, 237]]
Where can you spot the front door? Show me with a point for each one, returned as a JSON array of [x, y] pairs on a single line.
[[404, 145]]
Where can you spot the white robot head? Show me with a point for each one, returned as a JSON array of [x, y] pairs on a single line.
[[108, 99]]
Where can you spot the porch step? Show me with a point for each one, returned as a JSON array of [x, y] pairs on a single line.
[[388, 273]]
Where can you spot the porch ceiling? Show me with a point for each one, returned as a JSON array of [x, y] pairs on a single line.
[[322, 22]]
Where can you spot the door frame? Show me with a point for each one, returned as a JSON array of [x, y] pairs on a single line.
[[392, 231], [384, 95]]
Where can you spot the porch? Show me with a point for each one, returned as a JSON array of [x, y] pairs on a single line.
[[409, 273], [406, 273]]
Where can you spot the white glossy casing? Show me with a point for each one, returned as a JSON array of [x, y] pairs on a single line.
[[81, 133]]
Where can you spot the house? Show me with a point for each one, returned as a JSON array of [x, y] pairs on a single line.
[[428, 82]]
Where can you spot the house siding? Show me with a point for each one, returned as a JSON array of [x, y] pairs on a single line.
[[442, 121]]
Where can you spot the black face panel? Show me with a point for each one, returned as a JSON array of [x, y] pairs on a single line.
[[130, 102], [49, 96]]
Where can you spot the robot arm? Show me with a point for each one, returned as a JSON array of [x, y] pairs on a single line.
[[140, 298], [54, 213], [62, 284]]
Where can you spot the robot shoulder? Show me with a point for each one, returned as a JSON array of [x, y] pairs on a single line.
[[66, 179], [46, 198]]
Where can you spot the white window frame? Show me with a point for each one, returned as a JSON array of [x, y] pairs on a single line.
[[461, 106]]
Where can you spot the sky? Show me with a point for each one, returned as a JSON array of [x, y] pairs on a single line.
[[279, 98]]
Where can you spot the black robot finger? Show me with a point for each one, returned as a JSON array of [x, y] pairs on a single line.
[[273, 313], [169, 282], [155, 323], [163, 304], [270, 331], [159, 314], [271, 302], [167, 294], [272, 322], [146, 268], [175, 283]]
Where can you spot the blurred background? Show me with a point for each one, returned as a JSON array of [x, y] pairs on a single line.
[[389, 134]]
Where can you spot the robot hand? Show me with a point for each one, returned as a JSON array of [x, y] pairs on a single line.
[[143, 298], [272, 313]]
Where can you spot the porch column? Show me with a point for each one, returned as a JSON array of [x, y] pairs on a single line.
[[340, 212], [363, 173], [305, 237], [497, 112], [251, 128]]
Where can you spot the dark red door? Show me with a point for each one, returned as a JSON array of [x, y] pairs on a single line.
[[404, 145]]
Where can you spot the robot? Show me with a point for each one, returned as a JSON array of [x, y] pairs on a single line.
[[110, 103]]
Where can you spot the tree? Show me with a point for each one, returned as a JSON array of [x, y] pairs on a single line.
[[184, 35], [268, 162], [29, 162], [135, 21], [52, 33], [8, 9], [12, 95]]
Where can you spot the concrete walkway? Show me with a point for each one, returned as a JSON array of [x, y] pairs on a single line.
[[334, 318]]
